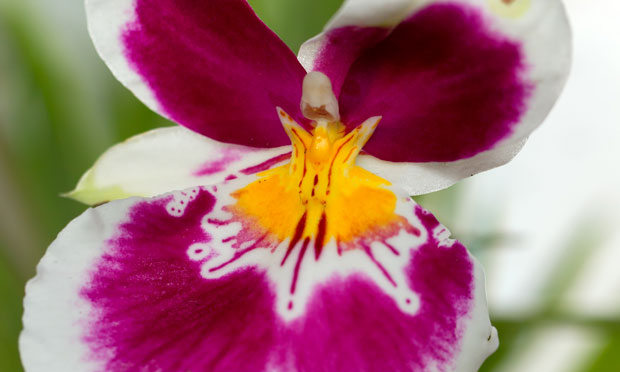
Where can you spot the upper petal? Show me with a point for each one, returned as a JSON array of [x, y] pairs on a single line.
[[357, 25], [153, 288], [211, 66], [167, 159], [452, 79]]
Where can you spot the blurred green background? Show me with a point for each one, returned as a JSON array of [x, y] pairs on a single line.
[[60, 108]]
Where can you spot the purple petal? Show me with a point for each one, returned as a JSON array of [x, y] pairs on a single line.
[[156, 312], [211, 66], [352, 325], [340, 47], [460, 84], [409, 300], [447, 86]]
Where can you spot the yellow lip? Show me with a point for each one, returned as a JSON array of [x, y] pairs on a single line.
[[321, 194]]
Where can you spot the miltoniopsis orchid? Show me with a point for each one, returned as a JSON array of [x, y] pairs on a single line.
[[286, 247]]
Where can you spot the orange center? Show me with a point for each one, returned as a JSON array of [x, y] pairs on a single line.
[[321, 194]]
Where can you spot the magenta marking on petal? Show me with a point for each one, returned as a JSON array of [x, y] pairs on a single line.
[[218, 165], [300, 258], [379, 265], [215, 68], [267, 164], [299, 229], [240, 253], [429, 221], [154, 312], [392, 248], [319, 239], [352, 325], [216, 222], [447, 86], [373, 334]]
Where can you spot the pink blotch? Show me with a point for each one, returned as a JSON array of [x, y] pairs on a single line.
[[212, 167], [447, 84], [154, 311]]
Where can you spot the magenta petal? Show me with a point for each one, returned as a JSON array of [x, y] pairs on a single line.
[[153, 310], [215, 68], [353, 326], [341, 47], [446, 85], [157, 313]]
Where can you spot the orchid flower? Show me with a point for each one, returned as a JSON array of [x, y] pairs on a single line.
[[258, 235]]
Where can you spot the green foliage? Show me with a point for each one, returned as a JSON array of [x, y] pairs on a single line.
[[11, 293], [609, 359], [295, 21]]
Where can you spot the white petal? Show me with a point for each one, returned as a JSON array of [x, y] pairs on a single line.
[[135, 280], [167, 159], [422, 178]]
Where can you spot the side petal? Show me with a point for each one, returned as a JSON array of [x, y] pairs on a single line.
[[423, 178], [211, 66], [166, 159], [452, 79], [157, 285]]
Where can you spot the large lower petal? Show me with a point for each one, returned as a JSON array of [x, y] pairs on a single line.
[[452, 79], [184, 282], [211, 65], [166, 159]]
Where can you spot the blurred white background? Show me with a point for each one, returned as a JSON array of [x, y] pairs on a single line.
[[557, 206]]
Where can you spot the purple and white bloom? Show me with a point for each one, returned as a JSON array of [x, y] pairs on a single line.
[[258, 235]]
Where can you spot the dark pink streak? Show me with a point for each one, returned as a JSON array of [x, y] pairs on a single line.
[[154, 312], [215, 222], [300, 258], [379, 265], [267, 164], [218, 165], [392, 249], [447, 86], [299, 230], [215, 68], [238, 254], [319, 239]]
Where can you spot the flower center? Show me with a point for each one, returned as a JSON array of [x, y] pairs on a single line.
[[320, 195]]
